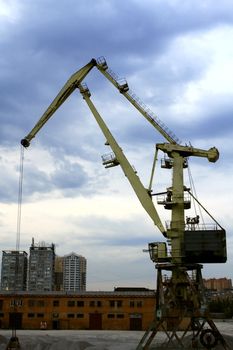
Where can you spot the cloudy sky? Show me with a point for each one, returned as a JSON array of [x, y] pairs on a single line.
[[178, 58]]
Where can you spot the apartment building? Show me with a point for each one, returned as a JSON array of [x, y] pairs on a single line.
[[14, 270], [41, 267], [74, 272]]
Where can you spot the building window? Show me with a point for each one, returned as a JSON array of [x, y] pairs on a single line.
[[99, 303], [92, 303], [56, 303], [80, 303], [1, 304], [111, 303], [119, 303], [70, 315], [1, 314], [31, 303], [70, 303], [80, 315], [135, 303], [120, 315], [40, 303], [31, 315], [16, 302], [111, 315], [131, 303], [40, 315], [55, 315]]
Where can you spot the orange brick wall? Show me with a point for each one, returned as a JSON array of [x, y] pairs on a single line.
[[109, 311]]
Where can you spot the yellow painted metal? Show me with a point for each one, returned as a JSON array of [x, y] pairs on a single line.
[[176, 231], [71, 84], [137, 105], [141, 192]]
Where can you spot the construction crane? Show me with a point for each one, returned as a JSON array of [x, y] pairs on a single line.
[[180, 297]]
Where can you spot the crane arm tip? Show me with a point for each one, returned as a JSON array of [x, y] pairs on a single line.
[[25, 143]]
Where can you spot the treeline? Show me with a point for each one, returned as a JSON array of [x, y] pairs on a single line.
[[224, 306]]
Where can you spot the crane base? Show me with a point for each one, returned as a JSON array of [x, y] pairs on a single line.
[[13, 344], [181, 312]]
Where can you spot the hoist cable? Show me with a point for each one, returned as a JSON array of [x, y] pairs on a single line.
[[20, 195], [195, 194], [217, 223]]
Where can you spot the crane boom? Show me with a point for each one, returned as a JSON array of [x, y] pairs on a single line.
[[71, 84], [123, 88], [141, 192]]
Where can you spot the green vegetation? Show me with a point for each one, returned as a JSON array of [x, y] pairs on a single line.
[[222, 306]]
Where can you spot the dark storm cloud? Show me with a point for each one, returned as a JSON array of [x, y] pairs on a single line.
[[70, 178], [50, 40]]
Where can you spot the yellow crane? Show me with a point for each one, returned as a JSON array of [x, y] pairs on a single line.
[[181, 296]]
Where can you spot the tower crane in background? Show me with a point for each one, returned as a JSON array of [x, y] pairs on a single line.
[[180, 298]]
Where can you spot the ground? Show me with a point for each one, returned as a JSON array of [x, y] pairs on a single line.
[[89, 340]]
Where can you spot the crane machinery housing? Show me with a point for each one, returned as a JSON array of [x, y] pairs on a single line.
[[180, 298]]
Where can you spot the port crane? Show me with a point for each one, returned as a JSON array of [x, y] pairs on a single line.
[[179, 299]]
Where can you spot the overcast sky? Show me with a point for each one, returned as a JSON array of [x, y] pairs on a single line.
[[177, 56]]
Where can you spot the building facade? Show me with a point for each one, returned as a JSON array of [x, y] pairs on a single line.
[[59, 262], [218, 284], [116, 310], [74, 272], [14, 270], [41, 267]]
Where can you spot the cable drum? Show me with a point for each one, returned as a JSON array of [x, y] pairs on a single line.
[[208, 338]]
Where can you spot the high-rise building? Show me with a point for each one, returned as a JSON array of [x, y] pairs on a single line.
[[41, 267], [14, 270], [59, 273], [74, 272]]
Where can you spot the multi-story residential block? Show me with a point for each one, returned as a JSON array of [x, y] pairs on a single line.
[[218, 284], [59, 262], [14, 270], [41, 267], [74, 272]]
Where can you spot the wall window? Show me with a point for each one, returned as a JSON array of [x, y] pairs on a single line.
[[31, 315], [40, 315], [40, 303], [92, 303], [16, 302], [120, 315], [115, 303], [135, 303], [80, 315], [111, 315], [71, 303], [119, 303], [1, 314], [70, 315], [1, 304], [80, 303], [131, 303], [111, 303], [31, 302], [56, 303]]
